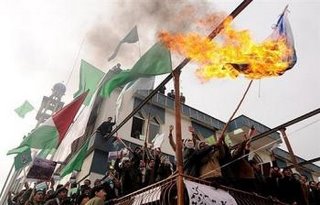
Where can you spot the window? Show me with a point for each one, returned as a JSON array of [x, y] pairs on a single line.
[[140, 126], [137, 126]]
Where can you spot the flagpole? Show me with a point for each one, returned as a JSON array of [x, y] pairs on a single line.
[[75, 60], [214, 33], [235, 111]]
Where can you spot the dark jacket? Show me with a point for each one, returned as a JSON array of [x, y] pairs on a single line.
[[105, 127], [192, 160]]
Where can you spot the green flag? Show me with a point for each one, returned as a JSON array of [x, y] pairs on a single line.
[[18, 150], [211, 140], [22, 159], [24, 109], [76, 161], [156, 61], [49, 148], [131, 37], [90, 77]]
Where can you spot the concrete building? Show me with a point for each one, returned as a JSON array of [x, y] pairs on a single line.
[[159, 112]]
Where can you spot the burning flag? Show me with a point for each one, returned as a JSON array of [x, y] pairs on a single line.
[[283, 30], [236, 53]]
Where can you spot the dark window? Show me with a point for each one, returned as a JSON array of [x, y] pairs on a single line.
[[137, 127]]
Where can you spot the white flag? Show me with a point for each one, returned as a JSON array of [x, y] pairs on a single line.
[[158, 140], [139, 84]]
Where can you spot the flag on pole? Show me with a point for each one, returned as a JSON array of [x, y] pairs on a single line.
[[22, 159], [77, 129], [76, 161], [283, 30], [158, 140], [155, 61], [131, 37], [90, 77], [24, 109], [53, 130]]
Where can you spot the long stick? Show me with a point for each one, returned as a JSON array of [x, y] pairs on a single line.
[[234, 112], [213, 34], [8, 176]]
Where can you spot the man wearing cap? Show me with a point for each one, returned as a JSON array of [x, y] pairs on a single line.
[[61, 195]]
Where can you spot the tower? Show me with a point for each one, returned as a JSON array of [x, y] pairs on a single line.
[[51, 104]]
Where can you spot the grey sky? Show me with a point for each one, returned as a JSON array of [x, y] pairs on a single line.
[[40, 41]]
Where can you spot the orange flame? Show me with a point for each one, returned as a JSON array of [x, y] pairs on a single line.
[[234, 53]]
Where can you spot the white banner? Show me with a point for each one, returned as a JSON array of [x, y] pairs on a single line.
[[147, 196], [206, 195]]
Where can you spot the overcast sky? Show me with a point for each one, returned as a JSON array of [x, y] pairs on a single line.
[[42, 43]]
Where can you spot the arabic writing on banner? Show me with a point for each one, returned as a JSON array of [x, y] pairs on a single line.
[[206, 195]]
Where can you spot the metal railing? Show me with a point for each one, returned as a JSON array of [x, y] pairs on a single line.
[[165, 193]]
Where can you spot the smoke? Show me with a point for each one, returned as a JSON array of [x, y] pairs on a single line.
[[151, 17]]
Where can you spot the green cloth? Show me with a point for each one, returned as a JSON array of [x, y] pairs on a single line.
[[76, 161], [90, 77], [156, 61], [22, 159], [24, 109], [18, 150], [45, 152], [131, 37], [211, 140], [40, 138]]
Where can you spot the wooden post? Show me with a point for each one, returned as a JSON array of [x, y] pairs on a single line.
[[292, 156], [177, 106]]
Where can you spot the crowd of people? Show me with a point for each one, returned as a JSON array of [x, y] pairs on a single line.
[[144, 166]]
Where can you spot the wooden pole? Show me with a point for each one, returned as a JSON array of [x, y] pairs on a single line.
[[292, 156], [177, 106]]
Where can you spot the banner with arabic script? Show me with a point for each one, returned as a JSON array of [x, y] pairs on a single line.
[[206, 195]]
